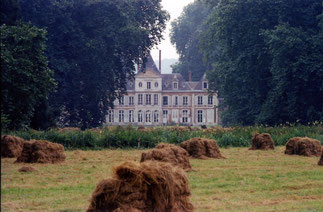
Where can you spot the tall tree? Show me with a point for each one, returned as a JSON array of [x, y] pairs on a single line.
[[92, 47], [185, 35], [247, 64], [10, 12], [26, 79]]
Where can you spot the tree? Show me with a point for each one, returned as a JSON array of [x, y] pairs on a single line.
[[10, 12], [26, 79], [243, 47], [185, 35], [92, 47]]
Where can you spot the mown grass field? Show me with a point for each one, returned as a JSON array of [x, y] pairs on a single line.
[[245, 181]]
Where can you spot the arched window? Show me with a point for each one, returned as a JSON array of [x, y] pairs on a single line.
[[148, 116], [156, 116], [139, 116]]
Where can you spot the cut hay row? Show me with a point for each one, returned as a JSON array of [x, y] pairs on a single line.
[[158, 182]]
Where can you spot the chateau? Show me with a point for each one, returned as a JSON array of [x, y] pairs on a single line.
[[161, 99]]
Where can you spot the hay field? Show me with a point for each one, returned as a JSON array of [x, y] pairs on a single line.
[[246, 181]]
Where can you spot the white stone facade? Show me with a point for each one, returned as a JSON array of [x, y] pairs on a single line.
[[163, 99]]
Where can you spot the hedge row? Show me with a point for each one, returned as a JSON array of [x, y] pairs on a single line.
[[131, 137]]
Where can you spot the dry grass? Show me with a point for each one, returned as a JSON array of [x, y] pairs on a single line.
[[246, 181]]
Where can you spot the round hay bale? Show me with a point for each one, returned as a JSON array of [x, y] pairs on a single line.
[[40, 151], [202, 148], [320, 163], [303, 146], [27, 169], [11, 146], [148, 186], [262, 141], [170, 153]]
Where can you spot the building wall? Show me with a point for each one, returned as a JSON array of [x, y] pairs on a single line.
[[198, 110]]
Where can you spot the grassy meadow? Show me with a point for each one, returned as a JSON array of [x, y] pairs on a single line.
[[245, 181]]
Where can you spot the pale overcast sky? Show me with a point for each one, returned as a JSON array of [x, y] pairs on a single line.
[[175, 8]]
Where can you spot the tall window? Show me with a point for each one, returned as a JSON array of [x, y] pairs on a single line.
[[139, 116], [185, 116], [156, 116], [121, 101], [176, 101], [205, 85], [121, 116], [155, 99], [110, 116], [139, 99], [200, 100], [175, 85], [131, 100], [148, 99], [140, 84], [148, 85], [165, 100], [185, 100], [148, 116], [156, 84], [165, 114], [210, 100], [131, 118], [200, 116]]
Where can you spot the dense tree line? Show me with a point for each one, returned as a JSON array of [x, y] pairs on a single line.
[[92, 47], [265, 58], [185, 35], [26, 79]]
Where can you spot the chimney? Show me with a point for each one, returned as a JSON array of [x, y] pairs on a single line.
[[189, 76], [160, 61]]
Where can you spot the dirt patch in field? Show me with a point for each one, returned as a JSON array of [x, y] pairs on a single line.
[[11, 146], [262, 141], [320, 163], [202, 148], [40, 151], [303, 146], [170, 153], [27, 169], [148, 186]]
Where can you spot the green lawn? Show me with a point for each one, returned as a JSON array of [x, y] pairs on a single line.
[[245, 181]]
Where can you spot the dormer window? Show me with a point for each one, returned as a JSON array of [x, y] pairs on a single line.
[[205, 85], [140, 84], [175, 85]]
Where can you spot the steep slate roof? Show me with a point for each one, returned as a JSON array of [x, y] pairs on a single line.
[[168, 79], [150, 64]]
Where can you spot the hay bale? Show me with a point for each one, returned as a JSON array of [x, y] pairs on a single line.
[[303, 146], [27, 169], [170, 153], [148, 186], [40, 151], [320, 163], [262, 141], [202, 148], [11, 146]]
